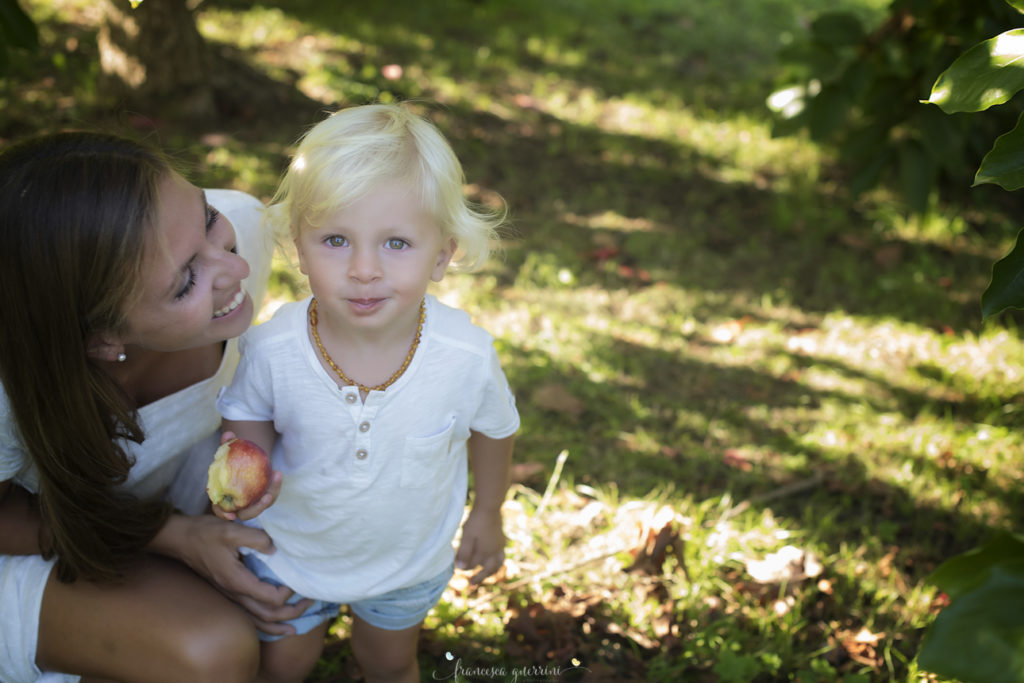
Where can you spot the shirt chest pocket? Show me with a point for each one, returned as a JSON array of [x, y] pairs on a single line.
[[427, 460]]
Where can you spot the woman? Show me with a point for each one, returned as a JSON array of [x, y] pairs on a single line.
[[123, 289]]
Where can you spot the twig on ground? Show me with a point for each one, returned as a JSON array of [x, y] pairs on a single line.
[[552, 482], [499, 589], [789, 489]]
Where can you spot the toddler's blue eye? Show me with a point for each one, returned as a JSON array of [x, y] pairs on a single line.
[[396, 243], [336, 241]]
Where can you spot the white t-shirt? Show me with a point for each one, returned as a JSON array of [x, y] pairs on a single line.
[[373, 491], [182, 432]]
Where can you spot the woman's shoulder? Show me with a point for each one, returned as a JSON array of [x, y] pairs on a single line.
[[228, 201]]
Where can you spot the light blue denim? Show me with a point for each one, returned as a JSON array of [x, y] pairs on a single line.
[[399, 609]]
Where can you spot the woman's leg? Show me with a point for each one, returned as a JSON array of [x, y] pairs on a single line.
[[385, 655], [162, 623]]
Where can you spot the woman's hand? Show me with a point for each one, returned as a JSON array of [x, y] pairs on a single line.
[[210, 547]]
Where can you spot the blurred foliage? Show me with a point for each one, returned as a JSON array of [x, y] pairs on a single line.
[[979, 637], [859, 88], [17, 30]]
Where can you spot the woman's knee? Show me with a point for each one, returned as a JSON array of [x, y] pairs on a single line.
[[219, 650]]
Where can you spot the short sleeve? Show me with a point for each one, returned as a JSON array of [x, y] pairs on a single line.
[[497, 416], [249, 397]]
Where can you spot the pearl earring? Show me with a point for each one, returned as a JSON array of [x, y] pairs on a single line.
[[122, 357]]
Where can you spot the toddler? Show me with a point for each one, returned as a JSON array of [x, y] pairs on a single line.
[[373, 397]]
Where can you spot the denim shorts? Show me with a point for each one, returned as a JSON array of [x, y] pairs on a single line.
[[396, 610]]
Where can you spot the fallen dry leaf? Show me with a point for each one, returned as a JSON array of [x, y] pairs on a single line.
[[557, 398], [735, 458], [727, 332], [788, 565]]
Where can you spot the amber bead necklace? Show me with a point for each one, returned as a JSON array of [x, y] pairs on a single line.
[[348, 380]]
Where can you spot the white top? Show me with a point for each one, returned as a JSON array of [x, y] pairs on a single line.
[[373, 491], [182, 429]]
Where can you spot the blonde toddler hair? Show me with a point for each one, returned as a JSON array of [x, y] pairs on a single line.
[[346, 155]]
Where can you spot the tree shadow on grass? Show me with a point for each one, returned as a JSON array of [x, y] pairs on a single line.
[[689, 229], [679, 416]]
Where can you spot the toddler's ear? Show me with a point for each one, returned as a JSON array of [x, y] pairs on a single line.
[[444, 257]]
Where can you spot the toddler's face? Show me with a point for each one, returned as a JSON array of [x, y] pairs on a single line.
[[369, 264]]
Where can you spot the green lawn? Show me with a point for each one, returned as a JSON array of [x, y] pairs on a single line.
[[780, 407]]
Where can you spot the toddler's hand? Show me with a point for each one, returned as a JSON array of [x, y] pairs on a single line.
[[265, 501], [256, 507], [483, 545]]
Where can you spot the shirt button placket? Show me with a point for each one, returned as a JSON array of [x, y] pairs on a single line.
[[362, 441]]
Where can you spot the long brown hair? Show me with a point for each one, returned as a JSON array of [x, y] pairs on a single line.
[[76, 210]]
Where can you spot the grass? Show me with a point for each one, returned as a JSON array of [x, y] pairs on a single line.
[[779, 406]]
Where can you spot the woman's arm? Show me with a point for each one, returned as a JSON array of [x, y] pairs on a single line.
[[483, 539], [209, 545], [20, 522]]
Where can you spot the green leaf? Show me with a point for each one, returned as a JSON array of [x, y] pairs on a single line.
[[837, 28], [958, 574], [988, 74], [1006, 288], [1016, 4], [1004, 163], [734, 667], [16, 27], [980, 636]]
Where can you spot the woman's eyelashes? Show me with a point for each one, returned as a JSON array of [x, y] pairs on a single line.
[[212, 215], [190, 283]]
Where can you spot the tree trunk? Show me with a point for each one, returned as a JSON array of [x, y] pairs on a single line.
[[154, 61]]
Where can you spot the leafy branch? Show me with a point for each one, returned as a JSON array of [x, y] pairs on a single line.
[[980, 635]]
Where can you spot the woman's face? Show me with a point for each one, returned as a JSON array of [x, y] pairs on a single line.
[[192, 277]]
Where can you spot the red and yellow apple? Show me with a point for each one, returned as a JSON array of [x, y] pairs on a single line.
[[238, 476]]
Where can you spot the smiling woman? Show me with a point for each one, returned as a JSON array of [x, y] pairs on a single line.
[[127, 287], [192, 278]]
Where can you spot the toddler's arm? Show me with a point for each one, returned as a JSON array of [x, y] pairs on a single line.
[[483, 539]]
